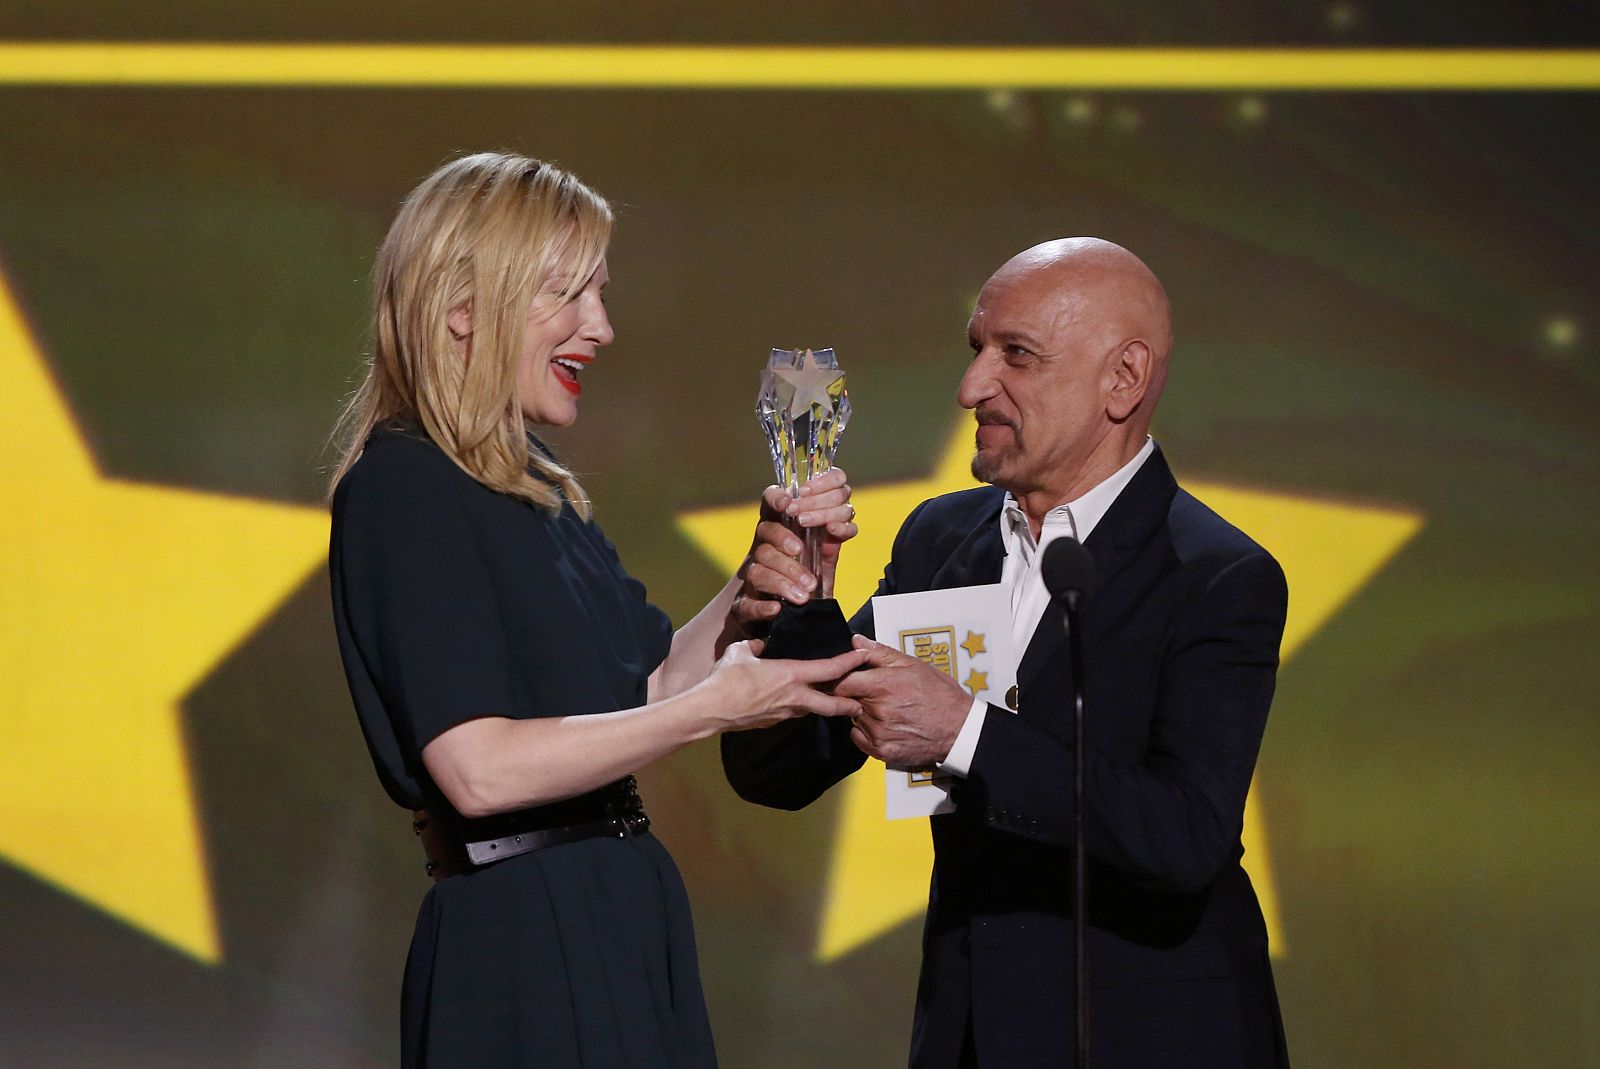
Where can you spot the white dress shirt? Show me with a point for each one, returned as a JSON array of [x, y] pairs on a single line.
[[1021, 575]]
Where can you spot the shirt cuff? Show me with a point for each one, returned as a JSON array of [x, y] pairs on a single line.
[[959, 760]]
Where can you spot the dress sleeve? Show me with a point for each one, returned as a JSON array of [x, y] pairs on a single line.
[[421, 603], [652, 626], [655, 628]]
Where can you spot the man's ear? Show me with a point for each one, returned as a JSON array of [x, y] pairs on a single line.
[[460, 321], [1130, 379]]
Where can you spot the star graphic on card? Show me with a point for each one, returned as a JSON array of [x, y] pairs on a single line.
[[976, 682], [974, 644]]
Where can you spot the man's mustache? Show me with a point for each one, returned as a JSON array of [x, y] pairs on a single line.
[[987, 417]]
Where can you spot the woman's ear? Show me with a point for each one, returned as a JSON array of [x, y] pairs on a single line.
[[460, 321]]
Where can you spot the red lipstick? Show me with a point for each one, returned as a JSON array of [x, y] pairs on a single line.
[[565, 367]]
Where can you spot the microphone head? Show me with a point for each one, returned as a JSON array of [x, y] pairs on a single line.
[[1067, 568]]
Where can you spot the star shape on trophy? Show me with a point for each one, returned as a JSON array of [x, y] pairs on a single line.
[[976, 682], [974, 644], [810, 381]]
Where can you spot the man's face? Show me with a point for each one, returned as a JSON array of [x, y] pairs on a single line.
[[1038, 379]]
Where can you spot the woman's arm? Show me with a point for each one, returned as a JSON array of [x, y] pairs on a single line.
[[771, 568], [496, 765]]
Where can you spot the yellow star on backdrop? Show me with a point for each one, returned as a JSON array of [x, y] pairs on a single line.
[[878, 874], [116, 599]]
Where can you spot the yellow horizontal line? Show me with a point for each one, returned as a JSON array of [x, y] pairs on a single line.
[[767, 67]]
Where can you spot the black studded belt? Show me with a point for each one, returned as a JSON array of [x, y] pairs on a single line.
[[619, 815], [618, 827]]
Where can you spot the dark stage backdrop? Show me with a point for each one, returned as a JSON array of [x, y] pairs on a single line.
[[1387, 370]]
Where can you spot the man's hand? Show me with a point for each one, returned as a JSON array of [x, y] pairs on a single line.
[[910, 713], [771, 573]]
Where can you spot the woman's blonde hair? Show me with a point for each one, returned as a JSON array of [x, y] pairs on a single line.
[[496, 234]]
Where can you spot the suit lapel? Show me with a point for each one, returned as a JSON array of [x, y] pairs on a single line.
[[1112, 545], [1138, 511], [976, 559], [1048, 642]]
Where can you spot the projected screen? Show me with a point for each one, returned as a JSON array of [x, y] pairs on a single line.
[[1385, 371]]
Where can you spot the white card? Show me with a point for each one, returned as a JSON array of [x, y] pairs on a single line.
[[964, 632]]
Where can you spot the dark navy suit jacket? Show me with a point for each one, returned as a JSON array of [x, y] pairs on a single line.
[[1181, 641]]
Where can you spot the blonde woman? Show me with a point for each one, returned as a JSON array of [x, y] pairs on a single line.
[[508, 674]]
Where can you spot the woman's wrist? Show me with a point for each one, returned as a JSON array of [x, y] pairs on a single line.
[[700, 708]]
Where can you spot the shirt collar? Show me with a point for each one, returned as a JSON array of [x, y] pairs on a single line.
[[1078, 517]]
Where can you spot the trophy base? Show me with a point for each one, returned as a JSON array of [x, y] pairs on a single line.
[[809, 632]]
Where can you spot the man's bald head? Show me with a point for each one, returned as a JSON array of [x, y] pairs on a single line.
[[1071, 341], [1112, 293]]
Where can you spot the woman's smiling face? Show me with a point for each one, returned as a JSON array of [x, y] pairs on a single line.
[[557, 347]]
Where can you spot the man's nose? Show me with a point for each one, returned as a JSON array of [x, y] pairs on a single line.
[[978, 384]]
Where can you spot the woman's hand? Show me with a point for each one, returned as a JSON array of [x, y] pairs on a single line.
[[772, 573], [757, 693]]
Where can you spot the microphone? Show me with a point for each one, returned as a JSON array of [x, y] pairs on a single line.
[[1067, 570]]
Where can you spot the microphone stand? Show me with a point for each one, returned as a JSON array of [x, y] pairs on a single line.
[[1068, 570], [1080, 890]]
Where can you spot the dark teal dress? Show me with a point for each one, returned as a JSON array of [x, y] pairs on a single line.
[[453, 602]]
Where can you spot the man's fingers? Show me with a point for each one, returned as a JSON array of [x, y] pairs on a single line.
[[827, 493], [878, 655], [822, 517], [816, 499], [775, 535], [858, 685], [832, 479], [772, 556], [774, 500], [830, 499], [748, 610], [776, 576], [827, 704]]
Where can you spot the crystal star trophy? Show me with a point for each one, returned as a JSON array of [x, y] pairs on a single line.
[[803, 408]]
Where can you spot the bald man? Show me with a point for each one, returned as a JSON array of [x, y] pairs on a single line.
[[1070, 343]]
